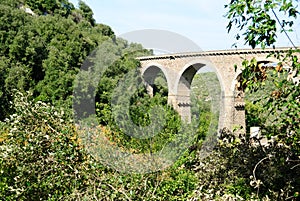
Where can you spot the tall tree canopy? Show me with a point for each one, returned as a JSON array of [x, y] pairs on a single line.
[[43, 52]]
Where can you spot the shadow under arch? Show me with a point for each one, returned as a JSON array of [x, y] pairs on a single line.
[[194, 66], [150, 74]]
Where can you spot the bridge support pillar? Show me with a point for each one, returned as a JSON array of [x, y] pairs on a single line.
[[149, 88], [239, 115], [232, 111], [182, 105], [226, 112], [232, 115]]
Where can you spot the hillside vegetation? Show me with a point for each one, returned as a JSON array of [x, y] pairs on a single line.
[[44, 45]]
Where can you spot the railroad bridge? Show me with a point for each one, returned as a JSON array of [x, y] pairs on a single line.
[[180, 68]]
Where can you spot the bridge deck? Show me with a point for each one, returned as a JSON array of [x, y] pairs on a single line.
[[216, 53]]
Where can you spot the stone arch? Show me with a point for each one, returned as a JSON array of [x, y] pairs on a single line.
[[183, 85], [186, 78], [197, 64], [150, 73]]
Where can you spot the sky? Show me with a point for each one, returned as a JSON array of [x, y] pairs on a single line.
[[202, 21]]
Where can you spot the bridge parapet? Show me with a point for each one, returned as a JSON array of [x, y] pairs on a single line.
[[216, 53]]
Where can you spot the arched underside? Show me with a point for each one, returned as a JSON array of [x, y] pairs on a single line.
[[150, 75], [184, 91], [179, 84], [185, 80]]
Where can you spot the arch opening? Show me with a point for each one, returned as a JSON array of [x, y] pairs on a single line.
[[199, 95], [185, 80], [155, 81]]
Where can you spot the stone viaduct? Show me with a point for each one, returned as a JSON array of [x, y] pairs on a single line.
[[180, 68]]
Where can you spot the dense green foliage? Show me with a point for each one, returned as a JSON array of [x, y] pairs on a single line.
[[273, 100], [239, 170], [43, 53], [205, 99], [40, 158], [43, 157], [279, 93]]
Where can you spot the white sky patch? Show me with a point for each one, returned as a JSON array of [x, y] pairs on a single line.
[[202, 21]]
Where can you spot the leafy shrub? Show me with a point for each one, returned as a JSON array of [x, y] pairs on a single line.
[[40, 157], [241, 169]]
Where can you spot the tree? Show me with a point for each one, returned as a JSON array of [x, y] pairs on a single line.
[[257, 19], [45, 7], [87, 12], [43, 53], [257, 22], [41, 156]]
